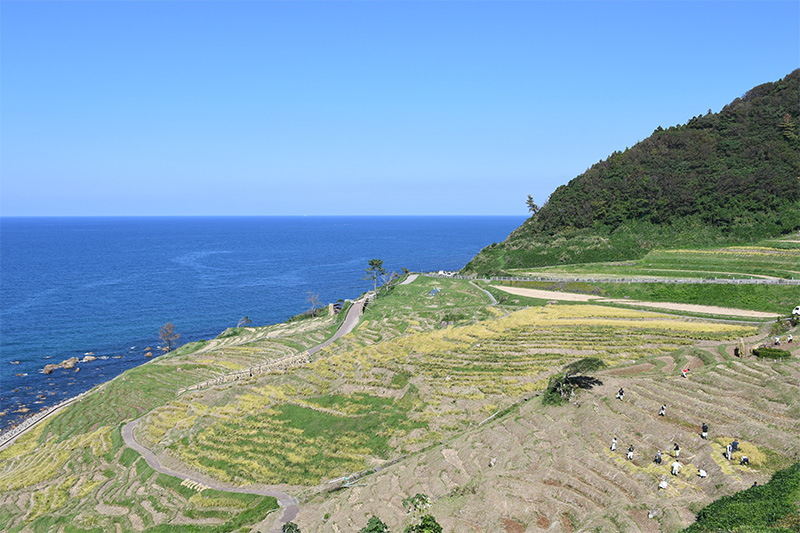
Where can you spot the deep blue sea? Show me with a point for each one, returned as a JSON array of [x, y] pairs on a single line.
[[69, 286]]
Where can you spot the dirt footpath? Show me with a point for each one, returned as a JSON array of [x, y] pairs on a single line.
[[547, 295], [688, 308]]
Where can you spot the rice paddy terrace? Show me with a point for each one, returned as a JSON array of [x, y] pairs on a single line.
[[433, 392], [772, 259]]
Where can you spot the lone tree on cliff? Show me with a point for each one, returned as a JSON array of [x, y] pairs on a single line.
[[314, 301], [168, 337], [532, 207], [374, 271]]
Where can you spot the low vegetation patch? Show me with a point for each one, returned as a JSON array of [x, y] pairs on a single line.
[[773, 506], [771, 353], [767, 298]]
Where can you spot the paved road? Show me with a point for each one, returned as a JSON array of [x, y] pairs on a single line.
[[350, 322], [289, 504], [409, 279], [489, 294]]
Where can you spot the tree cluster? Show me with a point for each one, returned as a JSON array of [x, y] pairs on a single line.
[[722, 178], [740, 163]]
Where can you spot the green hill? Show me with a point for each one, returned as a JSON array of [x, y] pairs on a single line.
[[721, 178]]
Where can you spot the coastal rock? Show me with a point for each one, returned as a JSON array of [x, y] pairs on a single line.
[[77, 369], [67, 364], [70, 363], [88, 358], [149, 354]]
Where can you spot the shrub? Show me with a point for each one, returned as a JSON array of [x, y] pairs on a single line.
[[427, 524], [375, 525], [562, 385]]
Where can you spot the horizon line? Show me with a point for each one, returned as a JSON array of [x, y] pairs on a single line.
[[255, 216]]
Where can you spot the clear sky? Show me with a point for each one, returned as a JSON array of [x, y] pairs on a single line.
[[321, 108]]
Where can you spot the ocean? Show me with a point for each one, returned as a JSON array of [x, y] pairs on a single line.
[[105, 285]]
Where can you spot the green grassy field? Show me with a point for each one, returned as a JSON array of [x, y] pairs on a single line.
[[774, 259]]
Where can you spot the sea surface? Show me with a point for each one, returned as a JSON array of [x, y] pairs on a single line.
[[71, 286]]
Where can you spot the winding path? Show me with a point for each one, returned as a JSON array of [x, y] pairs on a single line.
[[349, 323], [489, 294], [290, 505]]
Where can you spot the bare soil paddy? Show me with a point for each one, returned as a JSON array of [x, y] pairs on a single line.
[[629, 370], [554, 470]]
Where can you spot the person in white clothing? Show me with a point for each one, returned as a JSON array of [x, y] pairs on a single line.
[[614, 444], [676, 467]]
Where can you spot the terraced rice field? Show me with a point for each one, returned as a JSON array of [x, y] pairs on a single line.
[[73, 470], [553, 469], [772, 259], [447, 381], [399, 396], [90, 482]]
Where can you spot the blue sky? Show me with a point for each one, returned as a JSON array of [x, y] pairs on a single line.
[[320, 108]]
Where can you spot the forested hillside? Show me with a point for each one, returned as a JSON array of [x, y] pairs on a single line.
[[726, 177]]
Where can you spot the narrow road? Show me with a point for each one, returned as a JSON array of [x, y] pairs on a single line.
[[288, 503], [350, 322], [690, 308], [489, 294], [409, 279]]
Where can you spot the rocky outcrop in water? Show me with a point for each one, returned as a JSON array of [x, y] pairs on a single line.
[[66, 364]]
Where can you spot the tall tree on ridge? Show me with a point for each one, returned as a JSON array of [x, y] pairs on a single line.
[[374, 271]]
